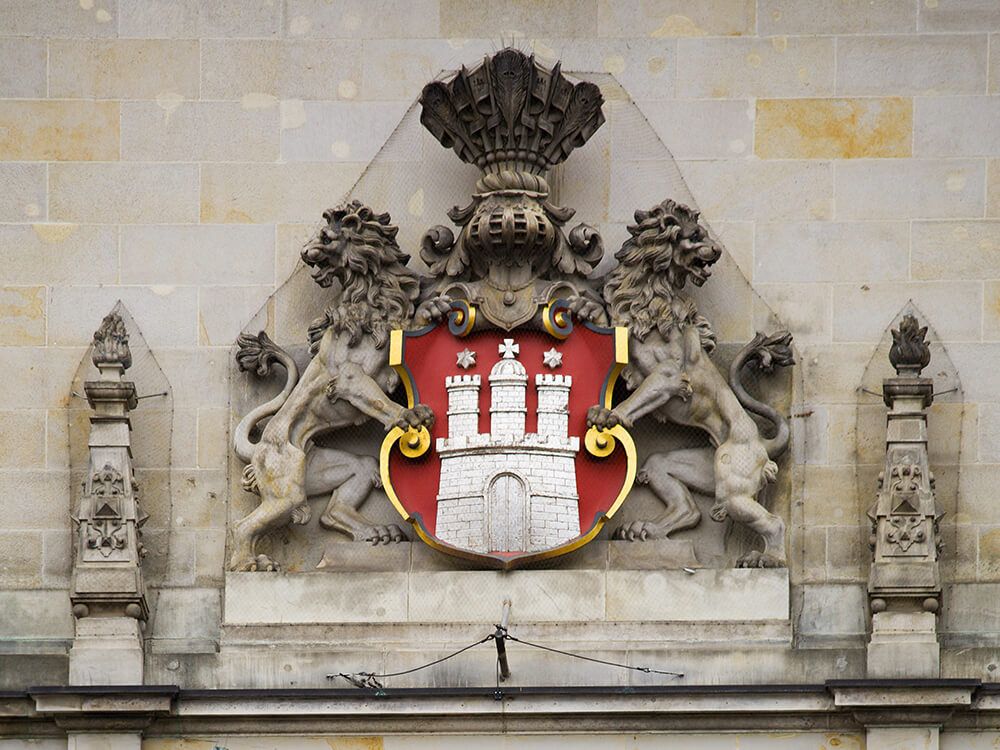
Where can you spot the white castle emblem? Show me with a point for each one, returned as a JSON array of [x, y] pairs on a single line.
[[508, 491]]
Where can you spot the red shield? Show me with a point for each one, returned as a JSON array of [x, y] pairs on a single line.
[[508, 474]]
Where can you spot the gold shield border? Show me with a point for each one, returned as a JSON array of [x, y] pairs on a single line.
[[617, 433]]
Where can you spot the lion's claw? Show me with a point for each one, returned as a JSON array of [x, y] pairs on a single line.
[[639, 531], [757, 559], [263, 563], [588, 310], [601, 418], [432, 310], [419, 416], [388, 534]]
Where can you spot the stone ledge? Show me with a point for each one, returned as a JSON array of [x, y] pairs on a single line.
[[728, 595]]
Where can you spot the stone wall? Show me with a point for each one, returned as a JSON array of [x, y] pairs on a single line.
[[172, 154]]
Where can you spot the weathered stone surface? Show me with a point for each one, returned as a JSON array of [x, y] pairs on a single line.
[[833, 128], [223, 311], [911, 64], [177, 130], [55, 18], [48, 611], [22, 68], [846, 17], [22, 192], [265, 193], [519, 17], [700, 129], [188, 19], [347, 20], [197, 255], [737, 68], [59, 253], [22, 315], [955, 249], [737, 594], [254, 70], [956, 126], [169, 314], [123, 193], [959, 15], [58, 130], [832, 610], [669, 18], [22, 442], [940, 188], [303, 598], [340, 131], [860, 311], [120, 68], [830, 251]]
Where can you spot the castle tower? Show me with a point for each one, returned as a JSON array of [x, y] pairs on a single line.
[[508, 382], [553, 404], [463, 405]]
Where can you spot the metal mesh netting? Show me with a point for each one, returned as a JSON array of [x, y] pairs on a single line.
[[623, 167]]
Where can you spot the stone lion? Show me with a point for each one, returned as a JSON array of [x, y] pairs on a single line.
[[671, 377], [346, 383]]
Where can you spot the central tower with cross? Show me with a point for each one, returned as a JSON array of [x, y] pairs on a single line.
[[508, 490]]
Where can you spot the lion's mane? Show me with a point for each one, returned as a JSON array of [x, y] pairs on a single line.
[[642, 290], [358, 248]]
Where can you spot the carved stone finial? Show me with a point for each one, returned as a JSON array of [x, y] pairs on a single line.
[[909, 354], [111, 342]]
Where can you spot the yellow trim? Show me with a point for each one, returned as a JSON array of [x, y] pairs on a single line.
[[599, 443], [555, 324], [414, 443], [621, 361]]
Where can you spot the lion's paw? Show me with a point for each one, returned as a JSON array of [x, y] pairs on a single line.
[[388, 534], [770, 471], [601, 418], [419, 416], [757, 559], [263, 563], [639, 531]]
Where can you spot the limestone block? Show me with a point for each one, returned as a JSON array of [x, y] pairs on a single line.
[[296, 69], [23, 559], [959, 15], [199, 131], [223, 311], [22, 68], [195, 255], [33, 499], [989, 433], [189, 19], [847, 554], [52, 371], [831, 497], [481, 18], [123, 68], [845, 17], [22, 315], [58, 253], [106, 651], [186, 614], [700, 129], [34, 614], [209, 556], [902, 738], [904, 646], [832, 610], [804, 309], [477, 596], [956, 250], [971, 609], [342, 131], [833, 128], [831, 251], [55, 18], [956, 126], [356, 597], [980, 376], [168, 314], [351, 19], [740, 190], [100, 741], [861, 311], [199, 377], [830, 374], [362, 556], [911, 64], [736, 68], [123, 193], [938, 188], [58, 130], [993, 185], [675, 595], [266, 193], [669, 18], [22, 192]]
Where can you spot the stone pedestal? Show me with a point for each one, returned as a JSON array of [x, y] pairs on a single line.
[[904, 645], [104, 741], [106, 651], [902, 738]]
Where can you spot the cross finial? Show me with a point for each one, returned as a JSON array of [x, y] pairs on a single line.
[[508, 349]]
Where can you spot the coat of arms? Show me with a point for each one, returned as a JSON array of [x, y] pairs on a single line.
[[513, 444]]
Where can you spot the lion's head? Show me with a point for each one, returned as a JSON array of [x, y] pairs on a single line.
[[357, 248], [667, 248]]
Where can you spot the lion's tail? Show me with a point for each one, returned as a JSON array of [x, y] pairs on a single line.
[[763, 354], [258, 353]]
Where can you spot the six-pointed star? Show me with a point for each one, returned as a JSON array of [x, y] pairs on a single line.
[[552, 358], [466, 359]]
